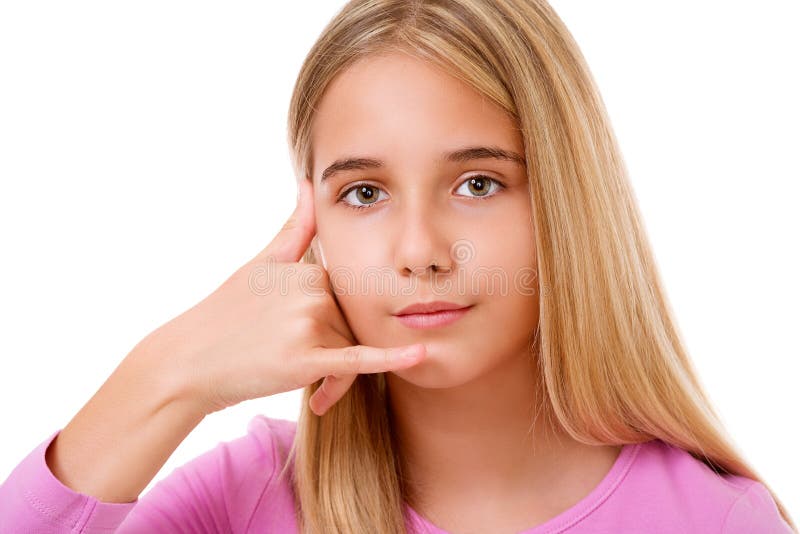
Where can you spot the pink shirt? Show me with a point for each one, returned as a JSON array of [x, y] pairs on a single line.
[[652, 488]]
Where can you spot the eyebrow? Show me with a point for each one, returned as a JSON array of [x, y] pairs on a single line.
[[456, 156]]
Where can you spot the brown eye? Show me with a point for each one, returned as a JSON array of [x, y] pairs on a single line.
[[365, 196], [480, 185]]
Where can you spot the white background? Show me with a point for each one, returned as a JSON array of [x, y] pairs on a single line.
[[143, 158]]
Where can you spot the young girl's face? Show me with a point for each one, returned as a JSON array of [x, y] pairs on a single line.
[[420, 207]]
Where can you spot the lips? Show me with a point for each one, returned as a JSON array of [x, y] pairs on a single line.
[[430, 307], [433, 314]]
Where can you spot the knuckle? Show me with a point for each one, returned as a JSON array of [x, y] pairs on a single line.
[[353, 356]]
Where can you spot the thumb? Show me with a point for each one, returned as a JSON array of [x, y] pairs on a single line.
[[295, 236]]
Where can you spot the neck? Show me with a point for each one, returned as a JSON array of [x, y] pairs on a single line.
[[483, 438]]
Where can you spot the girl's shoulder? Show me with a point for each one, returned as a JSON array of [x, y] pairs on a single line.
[[273, 434], [270, 496], [677, 484]]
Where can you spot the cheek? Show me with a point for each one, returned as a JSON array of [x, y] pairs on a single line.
[[506, 247], [506, 280], [348, 243], [364, 293], [366, 316], [366, 311], [501, 234]]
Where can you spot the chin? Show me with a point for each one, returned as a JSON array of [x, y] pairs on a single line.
[[440, 369]]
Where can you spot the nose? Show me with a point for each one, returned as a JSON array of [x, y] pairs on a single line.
[[422, 247]]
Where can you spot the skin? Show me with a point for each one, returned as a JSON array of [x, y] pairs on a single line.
[[465, 414]]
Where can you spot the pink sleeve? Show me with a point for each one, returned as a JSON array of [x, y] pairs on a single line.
[[755, 511], [214, 492], [32, 499]]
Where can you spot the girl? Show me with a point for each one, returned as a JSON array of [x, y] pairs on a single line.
[[460, 151]]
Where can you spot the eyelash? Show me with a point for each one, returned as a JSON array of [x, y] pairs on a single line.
[[500, 187]]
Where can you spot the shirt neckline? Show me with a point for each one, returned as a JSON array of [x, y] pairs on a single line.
[[572, 515]]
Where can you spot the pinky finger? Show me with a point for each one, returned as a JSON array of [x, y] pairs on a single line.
[[332, 389]]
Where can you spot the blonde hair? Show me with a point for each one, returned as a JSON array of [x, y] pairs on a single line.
[[613, 367]]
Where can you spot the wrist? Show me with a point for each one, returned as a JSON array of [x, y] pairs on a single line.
[[156, 364]]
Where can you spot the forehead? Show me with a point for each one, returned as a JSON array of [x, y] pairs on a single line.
[[403, 109]]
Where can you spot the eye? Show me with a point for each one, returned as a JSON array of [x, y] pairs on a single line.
[[363, 192], [367, 195], [481, 185]]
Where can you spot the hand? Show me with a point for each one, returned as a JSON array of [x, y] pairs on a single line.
[[247, 340]]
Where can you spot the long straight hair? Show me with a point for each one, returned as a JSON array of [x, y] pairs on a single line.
[[612, 365]]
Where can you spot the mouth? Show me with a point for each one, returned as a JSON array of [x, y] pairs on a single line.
[[433, 319]]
